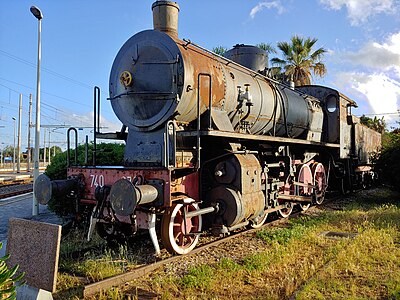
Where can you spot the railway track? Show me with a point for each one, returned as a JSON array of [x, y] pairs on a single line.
[[14, 189], [118, 280]]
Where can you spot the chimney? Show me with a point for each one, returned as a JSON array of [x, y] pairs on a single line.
[[165, 17]]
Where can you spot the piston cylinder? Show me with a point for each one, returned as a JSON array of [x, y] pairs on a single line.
[[237, 190]]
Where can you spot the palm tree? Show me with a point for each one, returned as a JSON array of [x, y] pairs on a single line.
[[267, 47], [299, 60]]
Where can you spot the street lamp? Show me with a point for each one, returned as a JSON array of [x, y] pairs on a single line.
[[38, 15], [14, 146]]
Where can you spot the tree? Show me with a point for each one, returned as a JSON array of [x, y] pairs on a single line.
[[377, 124], [267, 47], [220, 50], [388, 160], [8, 151], [299, 61]]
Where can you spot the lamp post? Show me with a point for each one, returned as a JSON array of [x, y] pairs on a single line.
[[14, 146], [39, 16]]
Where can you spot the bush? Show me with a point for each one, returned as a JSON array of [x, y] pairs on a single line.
[[388, 162], [110, 154], [8, 280]]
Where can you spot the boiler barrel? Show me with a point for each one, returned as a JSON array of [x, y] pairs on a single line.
[[156, 77]]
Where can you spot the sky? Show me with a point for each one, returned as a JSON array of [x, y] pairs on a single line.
[[80, 40]]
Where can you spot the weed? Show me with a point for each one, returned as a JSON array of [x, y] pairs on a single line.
[[228, 265], [255, 262], [198, 277], [282, 236]]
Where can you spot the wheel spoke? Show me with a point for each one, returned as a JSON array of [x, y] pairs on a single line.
[[174, 229], [180, 239]]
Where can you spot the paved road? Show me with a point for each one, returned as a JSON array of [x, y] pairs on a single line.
[[18, 207]]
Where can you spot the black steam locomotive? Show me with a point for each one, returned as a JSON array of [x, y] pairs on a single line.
[[212, 143]]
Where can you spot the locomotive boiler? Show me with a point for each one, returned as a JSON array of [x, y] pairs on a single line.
[[212, 143]]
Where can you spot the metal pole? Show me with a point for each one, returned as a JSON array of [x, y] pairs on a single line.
[[44, 147], [37, 13], [14, 119], [28, 166], [49, 146], [19, 134]]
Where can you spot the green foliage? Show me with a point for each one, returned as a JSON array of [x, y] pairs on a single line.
[[220, 50], [388, 162], [256, 262], [8, 151], [282, 235], [108, 154], [8, 279], [228, 265], [299, 60], [198, 277], [267, 47], [376, 124]]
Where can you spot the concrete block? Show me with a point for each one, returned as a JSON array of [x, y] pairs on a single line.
[[26, 292], [35, 247]]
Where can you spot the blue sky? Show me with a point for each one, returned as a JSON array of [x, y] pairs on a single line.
[[81, 39]]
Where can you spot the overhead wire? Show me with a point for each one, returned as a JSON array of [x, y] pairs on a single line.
[[21, 60]]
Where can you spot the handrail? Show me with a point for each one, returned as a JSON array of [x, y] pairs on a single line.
[[96, 119], [69, 146], [167, 140]]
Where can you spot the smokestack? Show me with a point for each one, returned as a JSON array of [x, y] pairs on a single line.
[[165, 17]]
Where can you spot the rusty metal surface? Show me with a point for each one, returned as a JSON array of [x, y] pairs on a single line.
[[149, 54], [237, 187], [368, 142], [249, 56], [197, 62], [263, 138], [94, 177]]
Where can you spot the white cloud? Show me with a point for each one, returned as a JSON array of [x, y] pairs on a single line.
[[359, 11], [382, 57], [87, 121], [377, 78], [381, 91], [267, 4]]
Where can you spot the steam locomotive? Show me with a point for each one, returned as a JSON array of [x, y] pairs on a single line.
[[212, 143]]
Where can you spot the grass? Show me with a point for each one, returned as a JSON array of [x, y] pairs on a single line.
[[295, 261], [98, 262]]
